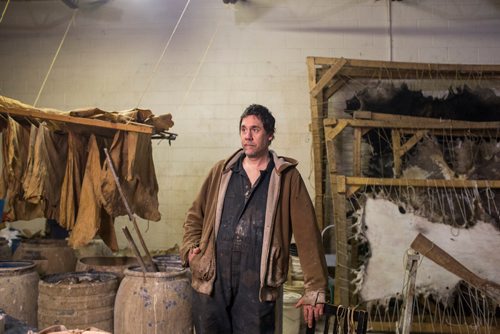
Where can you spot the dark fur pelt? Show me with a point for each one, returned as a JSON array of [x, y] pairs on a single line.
[[461, 103]]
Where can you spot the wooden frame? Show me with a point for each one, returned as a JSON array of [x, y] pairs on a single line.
[[326, 77], [345, 186], [17, 109]]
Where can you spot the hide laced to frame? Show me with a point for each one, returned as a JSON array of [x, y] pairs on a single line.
[[465, 220], [360, 156]]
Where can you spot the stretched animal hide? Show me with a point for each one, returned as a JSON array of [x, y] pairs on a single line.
[[389, 234], [461, 103]]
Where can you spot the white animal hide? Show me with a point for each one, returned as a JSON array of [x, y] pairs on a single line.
[[390, 234]]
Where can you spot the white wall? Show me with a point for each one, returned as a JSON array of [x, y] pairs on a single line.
[[220, 59]]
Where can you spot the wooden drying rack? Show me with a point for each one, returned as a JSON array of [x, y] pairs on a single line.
[[35, 115], [329, 75], [343, 187], [326, 76]]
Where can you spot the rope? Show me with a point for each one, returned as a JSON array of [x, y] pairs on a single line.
[[55, 57], [200, 64], [163, 53], [4, 10]]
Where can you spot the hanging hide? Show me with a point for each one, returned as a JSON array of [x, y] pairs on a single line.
[[15, 151], [132, 158], [73, 177], [384, 274], [45, 171]]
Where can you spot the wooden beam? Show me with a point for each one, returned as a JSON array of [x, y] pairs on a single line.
[[438, 183], [409, 70], [337, 84], [363, 114], [429, 327], [356, 154], [332, 133], [396, 146], [412, 141], [39, 114], [319, 149], [329, 74], [429, 123]]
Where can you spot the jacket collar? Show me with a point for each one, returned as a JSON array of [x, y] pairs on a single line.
[[280, 163]]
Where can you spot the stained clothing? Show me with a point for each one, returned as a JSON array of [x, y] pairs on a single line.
[[73, 179], [234, 306], [45, 169], [15, 155], [42, 171], [288, 208]]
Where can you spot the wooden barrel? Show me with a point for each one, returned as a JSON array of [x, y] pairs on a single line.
[[5, 252], [109, 264], [154, 302], [50, 255], [168, 262], [77, 300], [19, 290]]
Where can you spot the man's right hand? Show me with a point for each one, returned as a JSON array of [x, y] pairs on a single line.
[[193, 252]]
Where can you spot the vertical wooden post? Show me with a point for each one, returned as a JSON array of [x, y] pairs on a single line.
[[318, 141], [356, 156], [406, 318], [338, 190], [342, 277], [396, 148]]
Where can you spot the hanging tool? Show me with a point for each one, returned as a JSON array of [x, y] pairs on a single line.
[[151, 266], [433, 252]]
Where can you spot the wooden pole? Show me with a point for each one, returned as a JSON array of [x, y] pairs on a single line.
[[433, 252], [134, 248], [131, 216]]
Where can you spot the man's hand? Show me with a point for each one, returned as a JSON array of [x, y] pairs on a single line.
[[193, 252], [310, 311]]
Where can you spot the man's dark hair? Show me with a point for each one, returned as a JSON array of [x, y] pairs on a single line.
[[261, 113]]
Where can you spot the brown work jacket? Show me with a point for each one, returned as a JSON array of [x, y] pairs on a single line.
[[289, 209]]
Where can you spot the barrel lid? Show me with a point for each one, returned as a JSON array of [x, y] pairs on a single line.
[[136, 271], [45, 242], [9, 267], [79, 277]]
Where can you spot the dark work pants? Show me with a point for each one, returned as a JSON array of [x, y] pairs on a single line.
[[234, 305]]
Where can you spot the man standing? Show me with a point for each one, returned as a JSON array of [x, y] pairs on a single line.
[[237, 236]]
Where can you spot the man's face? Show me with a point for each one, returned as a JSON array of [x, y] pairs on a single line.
[[254, 138]]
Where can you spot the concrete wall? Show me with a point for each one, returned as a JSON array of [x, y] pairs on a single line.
[[220, 59]]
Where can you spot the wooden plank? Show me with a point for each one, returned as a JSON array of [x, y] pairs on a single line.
[[356, 154], [416, 68], [342, 277], [428, 327], [412, 142], [32, 113], [455, 183], [311, 72], [396, 145], [329, 74], [319, 111], [351, 190], [332, 133], [341, 185], [429, 123], [337, 84], [363, 114]]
